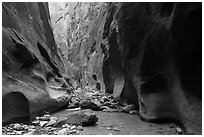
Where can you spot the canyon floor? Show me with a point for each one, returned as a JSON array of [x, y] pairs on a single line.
[[104, 115], [118, 123]]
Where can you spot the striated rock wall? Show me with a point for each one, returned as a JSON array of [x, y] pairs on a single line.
[[31, 63], [151, 54], [147, 54], [78, 29], [155, 60]]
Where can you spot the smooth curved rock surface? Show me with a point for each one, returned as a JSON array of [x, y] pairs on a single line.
[[31, 63], [157, 49], [146, 54], [78, 118]]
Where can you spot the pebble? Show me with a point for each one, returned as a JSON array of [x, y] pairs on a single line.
[[178, 130], [32, 126], [108, 128], [101, 101], [53, 118], [73, 127], [111, 125], [37, 118], [80, 128], [107, 104], [104, 107], [110, 110], [62, 131], [160, 128], [133, 112], [48, 128], [104, 98], [68, 126], [128, 108], [51, 122], [29, 133], [25, 127], [113, 106], [73, 131], [45, 117], [63, 126], [55, 133], [36, 122], [9, 128], [12, 133], [159, 131], [78, 99], [17, 127], [96, 93], [18, 132], [43, 123], [116, 129], [171, 126], [31, 130]]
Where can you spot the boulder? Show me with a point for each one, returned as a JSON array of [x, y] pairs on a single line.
[[80, 128], [17, 126], [73, 104], [63, 131], [128, 108], [45, 117], [51, 122], [146, 54], [79, 118], [90, 104], [43, 123]]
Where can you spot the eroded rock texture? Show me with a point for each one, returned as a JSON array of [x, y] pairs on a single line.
[[146, 54], [78, 29], [155, 60], [32, 64]]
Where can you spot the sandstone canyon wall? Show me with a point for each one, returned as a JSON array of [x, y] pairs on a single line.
[[147, 54], [155, 59], [31, 62]]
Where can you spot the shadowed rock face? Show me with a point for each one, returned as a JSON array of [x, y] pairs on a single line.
[[31, 62], [17, 103], [147, 54], [155, 59]]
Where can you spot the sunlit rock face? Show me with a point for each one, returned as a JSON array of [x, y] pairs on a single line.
[[147, 54], [31, 63], [155, 60], [78, 29]]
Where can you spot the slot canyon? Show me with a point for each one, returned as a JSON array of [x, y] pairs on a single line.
[[101, 68]]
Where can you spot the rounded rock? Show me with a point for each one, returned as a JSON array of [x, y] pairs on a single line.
[[80, 128]]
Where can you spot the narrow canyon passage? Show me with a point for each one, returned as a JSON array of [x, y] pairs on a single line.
[[101, 68]]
